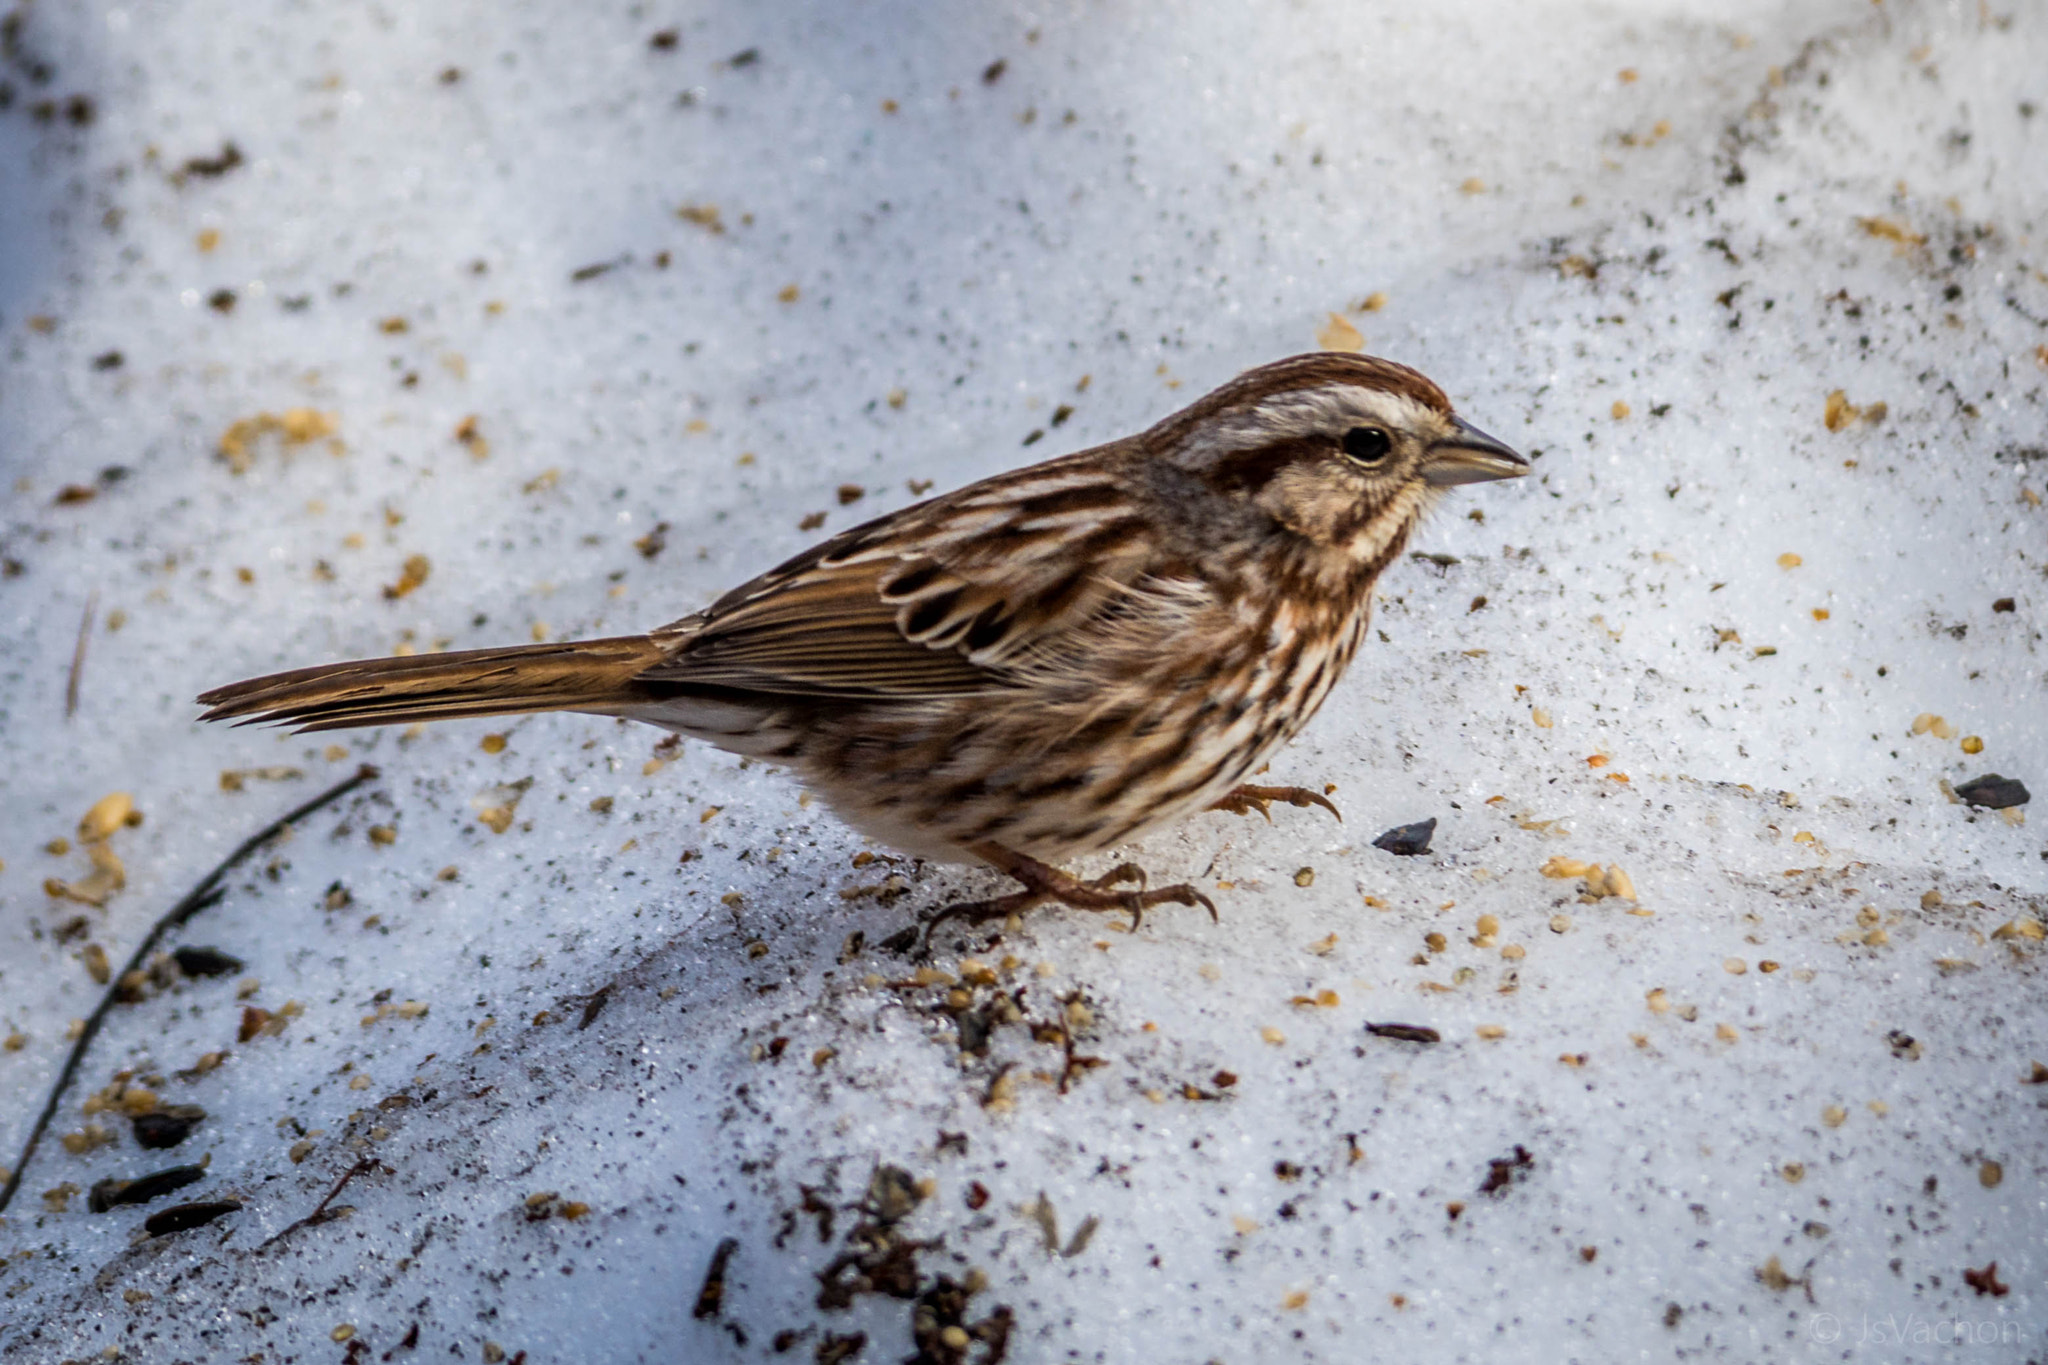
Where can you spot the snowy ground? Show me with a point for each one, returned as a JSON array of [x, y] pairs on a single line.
[[1774, 1108]]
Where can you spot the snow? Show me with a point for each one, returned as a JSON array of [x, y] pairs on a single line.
[[1715, 215]]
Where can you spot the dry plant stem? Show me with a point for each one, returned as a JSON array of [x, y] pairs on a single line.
[[198, 898], [92, 606], [363, 1166], [1043, 882]]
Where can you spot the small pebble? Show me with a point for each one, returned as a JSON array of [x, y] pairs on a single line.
[[1408, 841], [201, 961], [1994, 792]]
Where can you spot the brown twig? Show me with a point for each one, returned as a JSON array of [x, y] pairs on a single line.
[[92, 606], [363, 1166], [198, 898]]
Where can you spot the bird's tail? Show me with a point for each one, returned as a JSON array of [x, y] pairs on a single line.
[[584, 675]]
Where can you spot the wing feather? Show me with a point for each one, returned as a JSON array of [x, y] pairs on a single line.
[[943, 599]]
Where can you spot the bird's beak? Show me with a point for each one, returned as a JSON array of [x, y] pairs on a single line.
[[1469, 455]]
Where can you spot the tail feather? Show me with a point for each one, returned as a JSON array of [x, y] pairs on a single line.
[[584, 675]]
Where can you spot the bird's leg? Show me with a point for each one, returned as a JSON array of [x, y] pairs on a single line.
[[1043, 882], [1246, 799]]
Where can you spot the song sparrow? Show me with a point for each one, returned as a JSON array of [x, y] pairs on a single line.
[[1044, 664]]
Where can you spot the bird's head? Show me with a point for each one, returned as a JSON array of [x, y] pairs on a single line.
[[1345, 451]]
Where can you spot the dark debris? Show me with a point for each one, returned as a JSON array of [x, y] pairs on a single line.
[[179, 1217], [1502, 1171], [1408, 841], [112, 1193], [1994, 792]]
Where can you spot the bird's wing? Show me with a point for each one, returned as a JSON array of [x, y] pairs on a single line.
[[944, 599]]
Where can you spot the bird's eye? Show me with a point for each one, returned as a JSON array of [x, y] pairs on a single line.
[[1367, 445]]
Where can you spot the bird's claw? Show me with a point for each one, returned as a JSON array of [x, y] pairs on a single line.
[[1246, 799]]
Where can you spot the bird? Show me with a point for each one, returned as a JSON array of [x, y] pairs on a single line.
[[1039, 666]]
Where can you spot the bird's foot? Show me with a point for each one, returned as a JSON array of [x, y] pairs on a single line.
[[1044, 882], [1244, 800]]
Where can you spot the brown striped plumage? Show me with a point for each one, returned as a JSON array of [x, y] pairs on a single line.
[[1043, 664]]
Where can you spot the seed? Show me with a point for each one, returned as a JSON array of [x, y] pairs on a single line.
[[1734, 966], [1560, 924], [1834, 1116], [108, 814], [1972, 744]]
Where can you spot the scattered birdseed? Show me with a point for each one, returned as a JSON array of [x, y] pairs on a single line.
[[1560, 924], [1990, 1175], [1272, 1035], [1339, 335], [1305, 877], [1734, 966], [108, 814], [413, 573], [1405, 1033], [1834, 1116], [1541, 717], [1840, 412], [1491, 1032], [1973, 744]]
